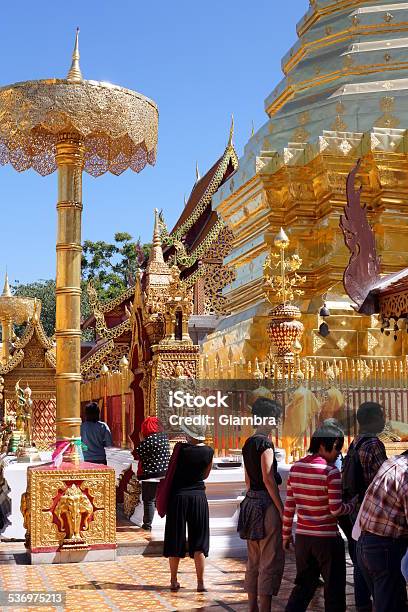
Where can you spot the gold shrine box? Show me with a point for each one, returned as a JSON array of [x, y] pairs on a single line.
[[70, 513]]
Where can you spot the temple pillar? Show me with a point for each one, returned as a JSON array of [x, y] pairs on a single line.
[[5, 337], [70, 161]]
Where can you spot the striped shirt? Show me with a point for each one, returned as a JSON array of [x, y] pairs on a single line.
[[314, 491]]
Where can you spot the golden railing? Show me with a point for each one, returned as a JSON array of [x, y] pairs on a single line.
[[336, 386]]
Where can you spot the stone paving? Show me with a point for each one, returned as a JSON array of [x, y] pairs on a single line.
[[136, 582]]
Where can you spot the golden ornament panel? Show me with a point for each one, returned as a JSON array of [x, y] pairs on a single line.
[[58, 500]]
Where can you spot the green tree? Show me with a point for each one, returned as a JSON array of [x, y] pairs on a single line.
[[113, 267], [44, 290]]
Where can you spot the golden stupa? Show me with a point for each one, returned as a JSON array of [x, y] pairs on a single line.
[[343, 97]]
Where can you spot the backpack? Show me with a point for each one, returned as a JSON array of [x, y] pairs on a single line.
[[352, 474]]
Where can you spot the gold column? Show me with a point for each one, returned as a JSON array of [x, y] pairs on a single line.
[[124, 365], [5, 338], [70, 161]]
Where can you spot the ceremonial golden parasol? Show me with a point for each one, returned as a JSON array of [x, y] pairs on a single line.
[[71, 125]]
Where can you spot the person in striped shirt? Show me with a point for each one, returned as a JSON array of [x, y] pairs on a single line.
[[314, 492]]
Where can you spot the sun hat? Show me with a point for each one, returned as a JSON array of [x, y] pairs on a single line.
[[196, 431]]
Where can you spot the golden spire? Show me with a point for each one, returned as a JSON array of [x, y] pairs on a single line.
[[6, 288], [156, 264], [156, 253], [156, 230], [197, 173], [75, 74], [231, 134], [252, 128]]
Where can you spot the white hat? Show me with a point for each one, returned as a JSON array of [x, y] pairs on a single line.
[[196, 431]]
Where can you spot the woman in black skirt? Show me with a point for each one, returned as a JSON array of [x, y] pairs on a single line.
[[188, 506]]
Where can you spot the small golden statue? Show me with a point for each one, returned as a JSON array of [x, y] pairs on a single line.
[[72, 505], [22, 436], [23, 413]]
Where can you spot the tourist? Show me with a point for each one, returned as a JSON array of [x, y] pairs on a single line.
[[188, 506], [383, 521], [314, 492], [260, 519], [153, 454], [95, 435], [365, 456]]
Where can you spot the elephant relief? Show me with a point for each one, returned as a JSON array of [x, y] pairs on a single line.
[[73, 504]]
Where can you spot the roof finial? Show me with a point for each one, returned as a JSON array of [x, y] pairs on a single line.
[[6, 288], [197, 173], [231, 134], [156, 252], [252, 128], [75, 74], [185, 200], [156, 232]]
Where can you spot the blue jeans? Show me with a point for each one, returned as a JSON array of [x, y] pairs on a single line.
[[362, 592], [379, 559]]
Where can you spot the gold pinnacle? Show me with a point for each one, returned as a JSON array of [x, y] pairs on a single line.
[[6, 288], [156, 231], [75, 74], [156, 252], [231, 134], [124, 363], [281, 240], [104, 370]]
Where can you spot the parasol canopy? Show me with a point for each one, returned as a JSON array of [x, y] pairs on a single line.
[[118, 127]]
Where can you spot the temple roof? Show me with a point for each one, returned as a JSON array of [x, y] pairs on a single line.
[[223, 168], [199, 225], [33, 329]]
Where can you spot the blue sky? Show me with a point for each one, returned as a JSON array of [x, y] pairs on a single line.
[[200, 61]]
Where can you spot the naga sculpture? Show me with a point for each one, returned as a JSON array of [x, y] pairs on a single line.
[[363, 270], [77, 509]]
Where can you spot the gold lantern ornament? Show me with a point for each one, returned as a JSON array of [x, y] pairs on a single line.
[[281, 282]]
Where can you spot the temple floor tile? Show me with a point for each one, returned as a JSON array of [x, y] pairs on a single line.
[[136, 582]]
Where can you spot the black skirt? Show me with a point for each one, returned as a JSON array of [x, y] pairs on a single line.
[[188, 508]]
